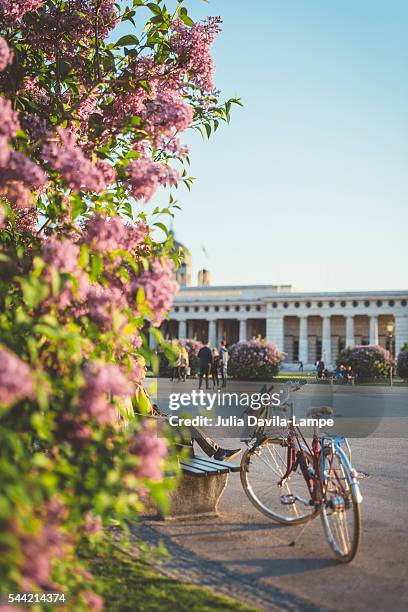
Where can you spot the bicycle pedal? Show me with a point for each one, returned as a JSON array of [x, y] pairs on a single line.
[[288, 500]]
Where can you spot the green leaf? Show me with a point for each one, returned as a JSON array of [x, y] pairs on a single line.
[[128, 39], [162, 227], [84, 256], [96, 266], [187, 20]]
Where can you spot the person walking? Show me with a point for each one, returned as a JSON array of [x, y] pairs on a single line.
[[224, 357], [205, 359], [320, 368], [215, 367], [184, 363]]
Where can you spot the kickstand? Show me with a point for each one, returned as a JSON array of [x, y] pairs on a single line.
[[293, 542]]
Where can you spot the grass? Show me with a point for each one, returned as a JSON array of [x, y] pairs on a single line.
[[131, 585]]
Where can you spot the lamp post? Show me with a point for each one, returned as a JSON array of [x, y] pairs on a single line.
[[390, 331]]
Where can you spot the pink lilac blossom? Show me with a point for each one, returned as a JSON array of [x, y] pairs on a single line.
[[192, 45], [61, 254], [80, 21], [101, 380], [16, 381], [35, 126], [6, 54], [136, 341], [25, 220], [92, 524], [168, 113], [17, 195], [102, 303], [106, 234], [63, 30], [145, 175], [159, 288], [41, 549], [151, 450], [4, 151], [126, 105], [136, 234], [35, 92], [137, 371], [108, 172], [72, 295], [76, 170], [14, 10], [9, 124], [20, 168], [93, 601]]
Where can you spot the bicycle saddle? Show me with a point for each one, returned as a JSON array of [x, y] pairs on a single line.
[[319, 411]]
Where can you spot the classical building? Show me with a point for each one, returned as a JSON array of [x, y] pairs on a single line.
[[306, 326]]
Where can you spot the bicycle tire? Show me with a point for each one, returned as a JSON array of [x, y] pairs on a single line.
[[265, 494], [334, 521]]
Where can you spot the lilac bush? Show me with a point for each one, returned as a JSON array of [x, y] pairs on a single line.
[[254, 360], [367, 362], [90, 129], [402, 363]]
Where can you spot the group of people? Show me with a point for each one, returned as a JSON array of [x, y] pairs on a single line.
[[344, 374], [212, 362], [341, 374]]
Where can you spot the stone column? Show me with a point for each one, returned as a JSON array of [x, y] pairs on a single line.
[[182, 330], [373, 330], [303, 340], [401, 333], [212, 332], [326, 341], [274, 331], [349, 331], [242, 330]]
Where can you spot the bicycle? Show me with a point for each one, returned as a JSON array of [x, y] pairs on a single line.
[[304, 481]]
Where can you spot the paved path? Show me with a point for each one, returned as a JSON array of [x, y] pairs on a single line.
[[245, 554]]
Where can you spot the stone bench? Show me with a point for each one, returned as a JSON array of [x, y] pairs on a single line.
[[200, 487]]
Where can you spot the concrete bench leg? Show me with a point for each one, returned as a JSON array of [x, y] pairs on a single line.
[[196, 497]]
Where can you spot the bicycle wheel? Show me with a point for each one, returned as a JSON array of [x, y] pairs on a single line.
[[341, 512], [261, 470]]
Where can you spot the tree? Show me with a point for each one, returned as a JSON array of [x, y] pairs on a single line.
[[89, 129]]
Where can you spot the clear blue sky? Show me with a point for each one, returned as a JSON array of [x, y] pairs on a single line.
[[309, 184]]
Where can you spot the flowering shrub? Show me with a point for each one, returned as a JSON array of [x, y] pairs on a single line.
[[402, 363], [254, 360], [367, 362], [87, 122]]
